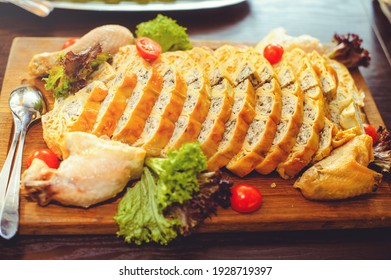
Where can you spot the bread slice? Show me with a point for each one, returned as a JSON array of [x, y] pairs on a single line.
[[197, 102], [307, 143], [262, 130], [325, 140], [160, 124], [127, 58], [285, 136], [139, 104], [344, 121], [346, 108], [229, 60], [307, 140], [96, 92], [244, 63], [326, 74], [104, 73], [212, 128], [209, 64], [264, 71], [305, 73], [347, 88], [114, 104], [245, 68], [236, 127], [78, 112], [156, 134], [328, 84], [291, 118]]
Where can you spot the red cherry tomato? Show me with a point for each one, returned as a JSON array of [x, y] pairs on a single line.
[[148, 48], [371, 131], [245, 198], [69, 42], [45, 155], [273, 53]]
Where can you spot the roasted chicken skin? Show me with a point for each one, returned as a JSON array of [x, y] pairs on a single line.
[[343, 174], [110, 37], [94, 170]]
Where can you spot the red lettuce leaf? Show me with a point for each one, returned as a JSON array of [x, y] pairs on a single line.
[[349, 51]]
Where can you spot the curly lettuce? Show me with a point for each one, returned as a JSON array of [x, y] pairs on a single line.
[[71, 71], [348, 51], [178, 173], [174, 196], [165, 31], [382, 151], [138, 216]]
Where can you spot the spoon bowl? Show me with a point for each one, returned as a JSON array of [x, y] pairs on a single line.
[[27, 105]]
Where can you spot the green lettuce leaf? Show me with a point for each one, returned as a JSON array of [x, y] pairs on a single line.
[[166, 32], [58, 82], [174, 196], [138, 216], [178, 173], [71, 71]]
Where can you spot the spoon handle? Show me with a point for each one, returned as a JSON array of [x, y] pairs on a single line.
[[5, 172], [40, 8], [9, 213]]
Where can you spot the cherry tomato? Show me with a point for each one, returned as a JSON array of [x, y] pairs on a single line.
[[45, 155], [245, 198], [273, 53], [371, 131], [148, 48], [69, 42]]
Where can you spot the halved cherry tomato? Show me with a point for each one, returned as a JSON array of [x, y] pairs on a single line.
[[69, 42], [148, 48], [245, 198], [273, 53], [45, 155], [371, 131]]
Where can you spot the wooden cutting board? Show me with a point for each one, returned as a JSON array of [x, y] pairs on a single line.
[[283, 207]]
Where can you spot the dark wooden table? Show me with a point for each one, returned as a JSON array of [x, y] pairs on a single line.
[[247, 22]]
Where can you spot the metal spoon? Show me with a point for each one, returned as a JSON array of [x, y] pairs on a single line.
[[27, 105]]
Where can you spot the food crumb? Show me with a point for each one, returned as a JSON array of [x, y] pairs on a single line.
[[273, 185]]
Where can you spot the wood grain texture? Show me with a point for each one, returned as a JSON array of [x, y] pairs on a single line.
[[368, 244], [246, 22], [284, 208]]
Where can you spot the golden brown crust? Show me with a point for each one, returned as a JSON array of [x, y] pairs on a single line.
[[160, 124], [148, 93], [300, 156], [257, 145], [161, 135], [116, 105], [280, 150], [190, 134], [332, 178], [325, 141], [213, 127], [197, 102], [66, 117], [236, 127]]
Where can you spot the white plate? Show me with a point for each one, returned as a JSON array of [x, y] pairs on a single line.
[[178, 5]]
